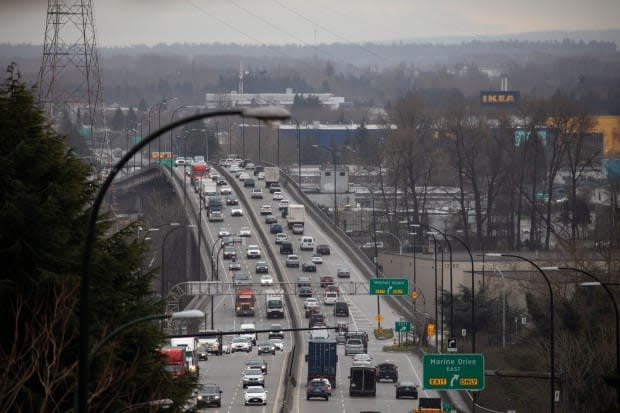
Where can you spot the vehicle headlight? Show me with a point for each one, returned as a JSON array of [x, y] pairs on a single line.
[[193, 368], [217, 396], [199, 397]]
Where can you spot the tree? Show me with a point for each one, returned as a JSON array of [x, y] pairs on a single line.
[[46, 193], [118, 121]]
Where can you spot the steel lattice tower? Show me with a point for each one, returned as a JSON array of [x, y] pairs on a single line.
[[69, 75]]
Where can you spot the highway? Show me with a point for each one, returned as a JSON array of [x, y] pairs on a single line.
[[362, 307]]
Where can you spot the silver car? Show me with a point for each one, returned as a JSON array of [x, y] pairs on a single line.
[[354, 346]]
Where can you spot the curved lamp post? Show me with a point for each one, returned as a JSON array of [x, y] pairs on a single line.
[[552, 331], [264, 113]]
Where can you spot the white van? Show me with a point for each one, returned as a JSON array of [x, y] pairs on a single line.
[[319, 333], [307, 243]]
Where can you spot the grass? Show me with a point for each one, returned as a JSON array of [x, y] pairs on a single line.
[[384, 333]]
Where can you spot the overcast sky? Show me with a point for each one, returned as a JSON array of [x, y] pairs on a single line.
[[127, 22]]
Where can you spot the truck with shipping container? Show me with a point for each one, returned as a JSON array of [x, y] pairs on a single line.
[[174, 359], [212, 342], [295, 214], [245, 300], [322, 359], [274, 303], [207, 188], [272, 175], [198, 172], [189, 344], [363, 381]]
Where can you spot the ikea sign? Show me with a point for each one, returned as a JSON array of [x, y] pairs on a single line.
[[499, 98]]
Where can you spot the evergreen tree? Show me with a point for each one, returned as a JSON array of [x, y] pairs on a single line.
[[45, 193], [118, 121]]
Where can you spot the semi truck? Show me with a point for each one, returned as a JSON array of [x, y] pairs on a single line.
[[189, 344], [272, 175], [322, 359], [245, 300], [274, 303], [295, 214], [199, 171], [174, 359], [363, 381], [207, 188], [213, 342]]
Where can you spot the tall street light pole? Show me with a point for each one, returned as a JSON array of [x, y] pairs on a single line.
[[298, 154], [149, 118], [552, 331], [264, 113], [166, 100], [435, 266], [174, 112], [415, 281], [445, 237]]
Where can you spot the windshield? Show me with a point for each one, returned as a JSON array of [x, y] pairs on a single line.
[[274, 304]]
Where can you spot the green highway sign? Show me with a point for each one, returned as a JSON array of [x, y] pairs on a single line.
[[388, 286], [402, 327], [453, 371]]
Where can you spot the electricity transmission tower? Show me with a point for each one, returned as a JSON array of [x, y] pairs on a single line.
[[69, 78]]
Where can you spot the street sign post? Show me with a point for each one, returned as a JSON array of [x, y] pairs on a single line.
[[453, 371], [402, 326], [388, 286]]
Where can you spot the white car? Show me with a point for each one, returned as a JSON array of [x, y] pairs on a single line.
[[261, 176], [257, 193], [266, 210], [245, 232], [253, 377], [236, 211], [179, 161], [225, 190], [330, 298], [311, 302], [253, 251], [283, 204], [255, 395], [317, 259], [243, 176], [281, 237], [266, 279], [362, 359], [278, 343], [278, 196], [223, 232], [240, 344]]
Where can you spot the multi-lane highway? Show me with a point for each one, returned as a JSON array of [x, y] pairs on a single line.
[[226, 370]]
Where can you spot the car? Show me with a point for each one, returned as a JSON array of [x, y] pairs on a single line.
[[304, 291], [308, 267], [244, 176], [220, 182], [343, 273], [241, 278], [202, 352], [253, 251], [316, 389], [330, 298], [281, 237], [216, 216], [255, 395], [275, 188], [326, 280], [209, 395], [275, 228], [232, 201], [406, 389], [270, 219], [275, 331], [248, 183], [179, 161], [292, 260], [298, 229], [326, 382], [199, 159], [278, 343], [317, 259], [252, 377], [311, 302], [240, 344], [260, 176], [387, 371], [286, 247], [265, 347], [307, 244], [236, 211], [250, 165], [261, 267], [245, 232], [322, 249], [223, 232], [362, 359], [249, 332], [283, 204], [257, 362], [234, 266], [256, 193], [277, 196], [266, 210], [312, 310], [266, 279], [229, 253], [353, 346], [215, 177], [341, 309], [225, 190], [316, 319]]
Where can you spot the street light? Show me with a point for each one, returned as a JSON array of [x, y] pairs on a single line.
[[298, 154], [166, 100], [174, 112], [415, 281], [264, 113], [552, 331], [333, 152], [435, 266]]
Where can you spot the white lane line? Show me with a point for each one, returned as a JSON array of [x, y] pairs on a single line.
[[416, 375]]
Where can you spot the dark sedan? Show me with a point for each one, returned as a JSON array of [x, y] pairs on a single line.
[[261, 268], [232, 201], [406, 389], [308, 267], [322, 249], [317, 389], [387, 371], [209, 395], [266, 347]]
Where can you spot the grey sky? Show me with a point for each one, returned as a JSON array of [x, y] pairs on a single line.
[[126, 22]]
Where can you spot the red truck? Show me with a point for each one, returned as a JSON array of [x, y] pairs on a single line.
[[199, 171], [245, 301], [175, 360]]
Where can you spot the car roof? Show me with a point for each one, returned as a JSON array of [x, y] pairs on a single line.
[[406, 383]]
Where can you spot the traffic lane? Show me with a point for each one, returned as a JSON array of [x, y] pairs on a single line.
[[226, 371]]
